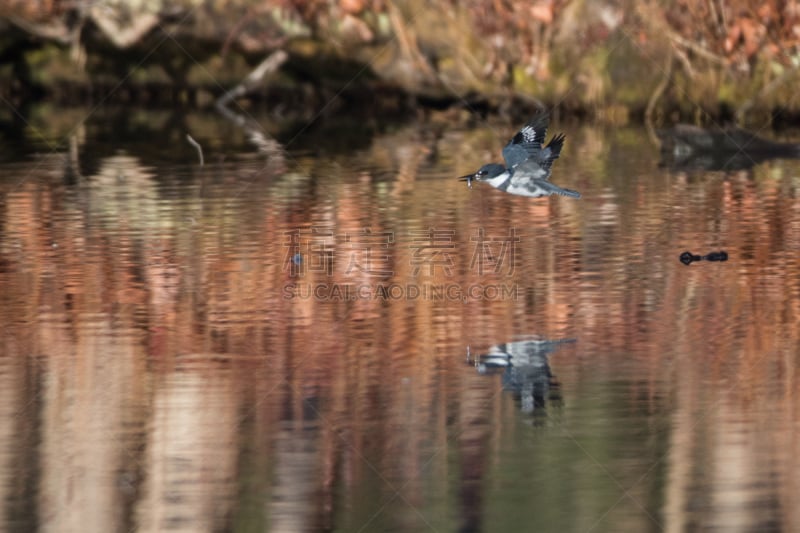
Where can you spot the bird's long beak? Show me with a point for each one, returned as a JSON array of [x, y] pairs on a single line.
[[468, 178]]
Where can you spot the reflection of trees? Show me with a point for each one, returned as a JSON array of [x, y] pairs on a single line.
[[106, 294]]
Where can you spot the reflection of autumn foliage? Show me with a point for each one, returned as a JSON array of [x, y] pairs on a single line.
[[150, 310]]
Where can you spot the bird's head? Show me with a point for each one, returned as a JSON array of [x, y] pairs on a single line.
[[484, 173]]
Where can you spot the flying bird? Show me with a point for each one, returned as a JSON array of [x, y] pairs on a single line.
[[528, 163]]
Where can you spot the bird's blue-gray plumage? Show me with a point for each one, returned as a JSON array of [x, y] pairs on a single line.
[[528, 163], [525, 367]]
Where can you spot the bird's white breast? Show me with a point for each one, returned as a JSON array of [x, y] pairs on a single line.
[[525, 189], [497, 180]]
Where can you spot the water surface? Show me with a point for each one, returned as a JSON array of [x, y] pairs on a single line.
[[313, 340]]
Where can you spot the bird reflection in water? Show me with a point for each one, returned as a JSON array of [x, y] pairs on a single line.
[[525, 368]]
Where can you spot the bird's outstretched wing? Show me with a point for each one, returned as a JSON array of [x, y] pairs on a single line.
[[550, 152], [527, 142], [529, 169]]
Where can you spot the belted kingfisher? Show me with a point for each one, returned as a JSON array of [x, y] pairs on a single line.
[[527, 163]]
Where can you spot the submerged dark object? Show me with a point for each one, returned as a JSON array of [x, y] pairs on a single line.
[[687, 258], [687, 147], [527, 163]]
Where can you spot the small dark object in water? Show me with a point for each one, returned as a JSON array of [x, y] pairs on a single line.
[[687, 258], [717, 256]]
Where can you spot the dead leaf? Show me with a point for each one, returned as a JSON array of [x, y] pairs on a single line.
[[543, 12]]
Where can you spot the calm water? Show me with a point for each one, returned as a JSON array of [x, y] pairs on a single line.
[[346, 338]]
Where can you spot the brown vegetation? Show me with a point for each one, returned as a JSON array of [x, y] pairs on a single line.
[[611, 57]]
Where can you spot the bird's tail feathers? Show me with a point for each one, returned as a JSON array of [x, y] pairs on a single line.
[[569, 192]]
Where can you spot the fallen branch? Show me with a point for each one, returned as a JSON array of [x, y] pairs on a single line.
[[268, 66], [696, 48], [56, 30], [255, 133], [123, 31]]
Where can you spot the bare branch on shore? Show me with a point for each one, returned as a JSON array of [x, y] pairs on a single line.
[[56, 29], [122, 31], [268, 66], [255, 133], [696, 48]]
